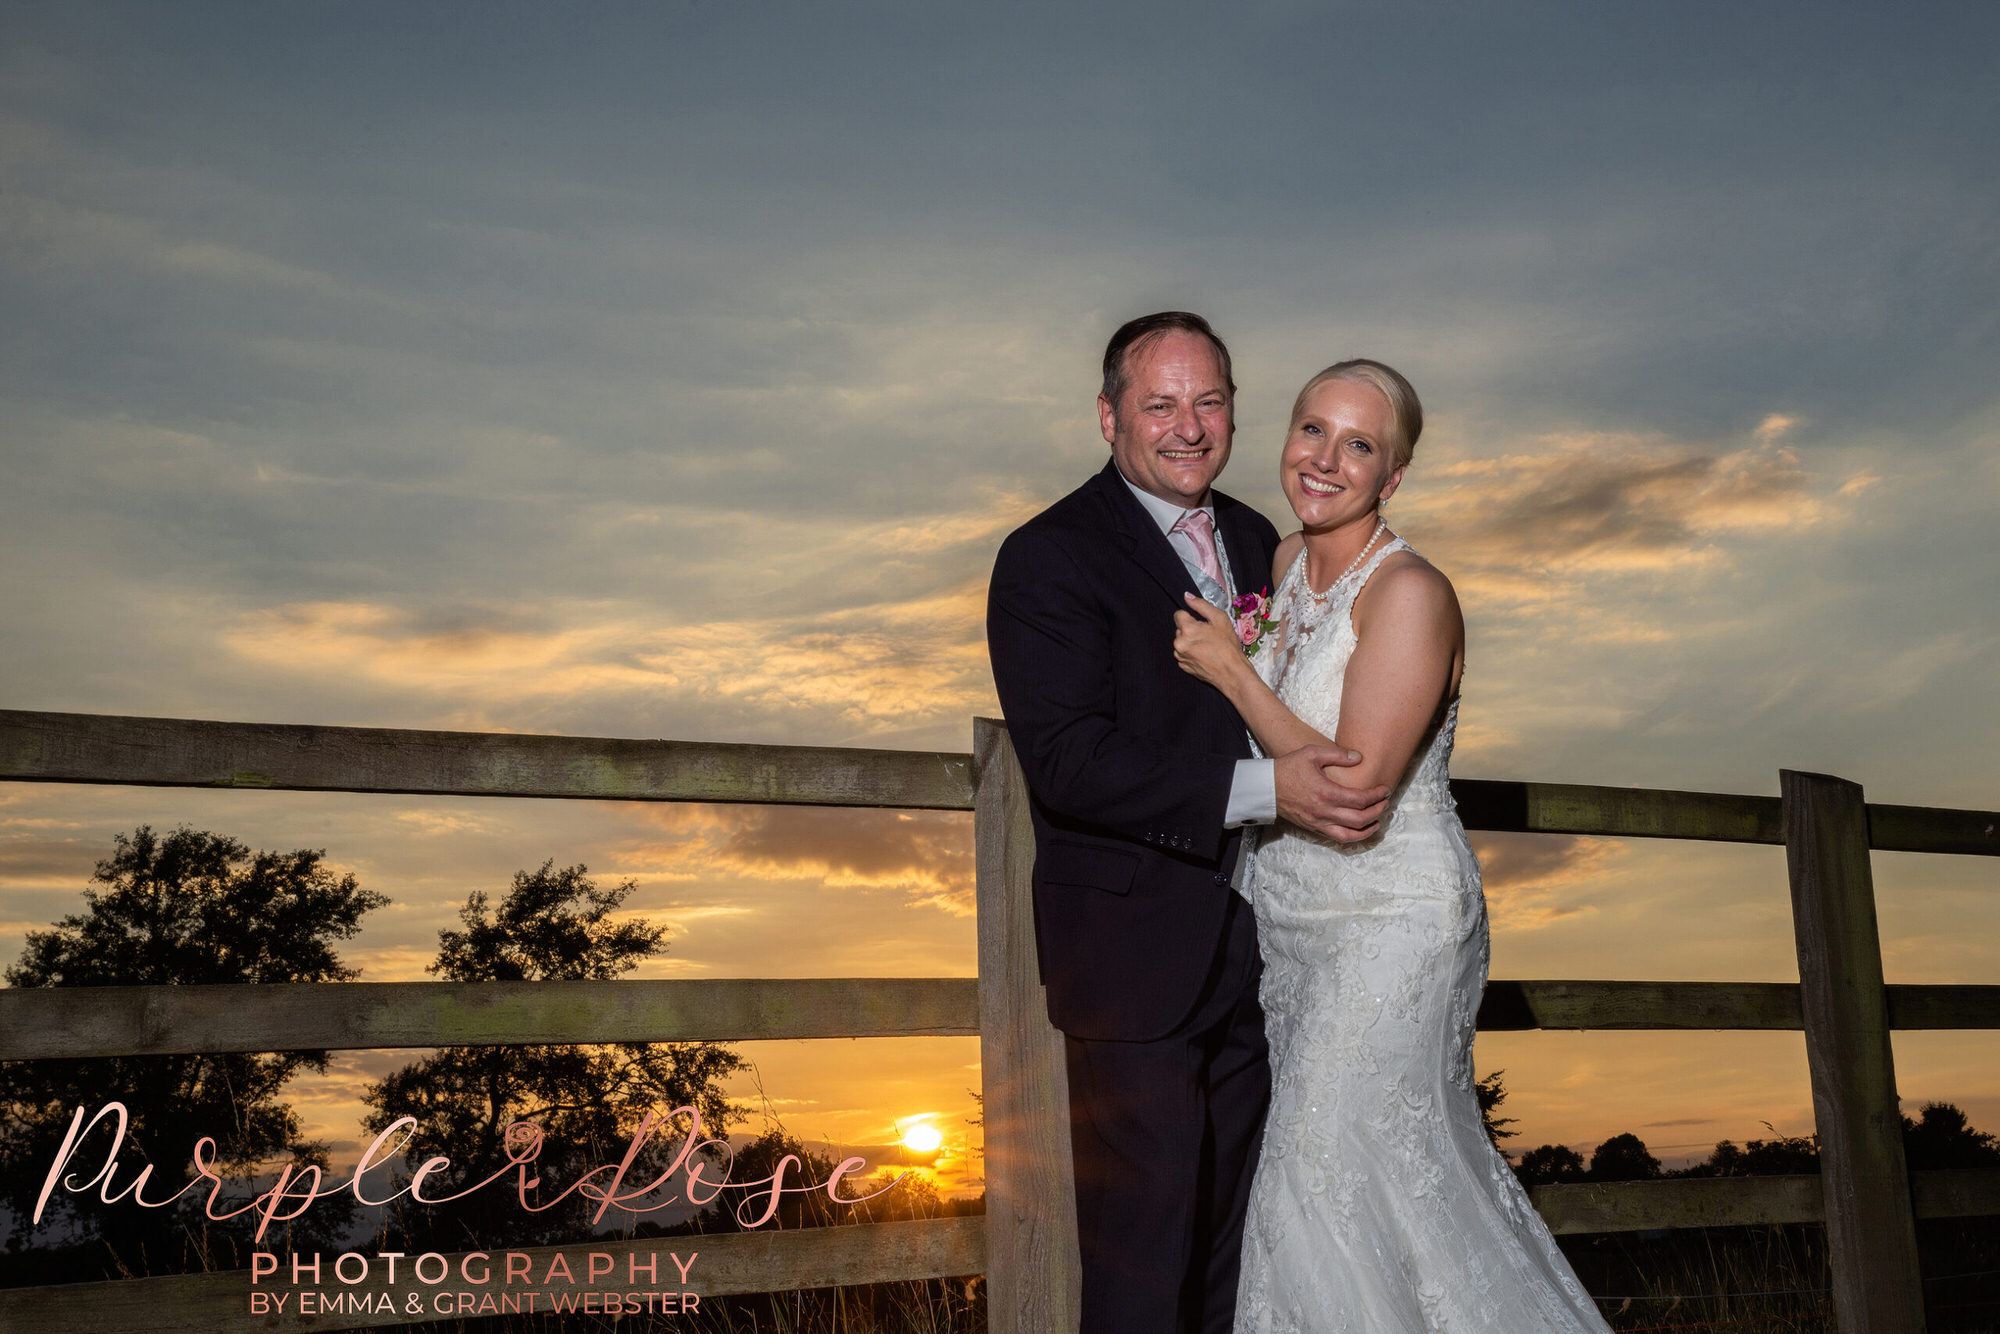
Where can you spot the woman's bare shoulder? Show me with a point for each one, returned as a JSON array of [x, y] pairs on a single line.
[[1410, 583], [1288, 551]]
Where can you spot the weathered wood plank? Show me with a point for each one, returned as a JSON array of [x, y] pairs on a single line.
[[1871, 1233], [172, 752], [1514, 1005], [1590, 1004], [1034, 1278], [179, 752], [40, 1022], [77, 1022], [1616, 812], [725, 1264], [1935, 1006], [1956, 1193], [1928, 829], [1633, 1206]]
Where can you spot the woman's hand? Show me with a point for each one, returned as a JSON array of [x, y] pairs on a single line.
[[1205, 644]]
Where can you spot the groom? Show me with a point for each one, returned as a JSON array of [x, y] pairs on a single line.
[[1141, 783]]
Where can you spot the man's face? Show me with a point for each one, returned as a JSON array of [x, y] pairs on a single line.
[[1170, 431]]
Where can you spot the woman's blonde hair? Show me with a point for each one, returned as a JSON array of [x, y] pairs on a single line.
[[1402, 396]]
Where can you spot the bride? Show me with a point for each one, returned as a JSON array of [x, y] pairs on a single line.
[[1379, 1205]]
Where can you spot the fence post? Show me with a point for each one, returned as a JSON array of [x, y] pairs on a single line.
[[1033, 1275], [1871, 1234]]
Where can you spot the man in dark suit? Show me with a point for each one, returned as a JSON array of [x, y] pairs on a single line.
[[1141, 781]]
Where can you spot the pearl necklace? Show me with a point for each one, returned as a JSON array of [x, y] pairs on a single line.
[[1381, 527]]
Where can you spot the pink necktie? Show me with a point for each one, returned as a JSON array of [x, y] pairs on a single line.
[[1201, 531]]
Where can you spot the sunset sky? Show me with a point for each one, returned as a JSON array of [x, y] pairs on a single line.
[[674, 370]]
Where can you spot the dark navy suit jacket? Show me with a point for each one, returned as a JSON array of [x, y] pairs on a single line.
[[1128, 758]]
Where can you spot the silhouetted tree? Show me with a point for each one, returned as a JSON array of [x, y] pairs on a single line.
[[192, 907], [1623, 1158], [1781, 1155], [805, 1202], [1549, 1164], [1940, 1137], [1725, 1161], [553, 925], [1491, 1093]]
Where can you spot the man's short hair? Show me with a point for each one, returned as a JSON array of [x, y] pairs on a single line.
[[1135, 333]]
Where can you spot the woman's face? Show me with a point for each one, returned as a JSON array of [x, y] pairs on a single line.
[[1340, 457]]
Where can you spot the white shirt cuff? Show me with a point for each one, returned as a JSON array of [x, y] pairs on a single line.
[[1253, 794]]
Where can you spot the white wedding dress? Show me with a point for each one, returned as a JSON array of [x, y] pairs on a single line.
[[1380, 1206]]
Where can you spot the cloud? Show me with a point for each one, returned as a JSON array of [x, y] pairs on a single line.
[[441, 822], [1776, 427], [926, 854], [1534, 880], [33, 853], [1606, 505], [850, 673], [44, 235]]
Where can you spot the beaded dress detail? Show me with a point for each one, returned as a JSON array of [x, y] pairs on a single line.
[[1380, 1206]]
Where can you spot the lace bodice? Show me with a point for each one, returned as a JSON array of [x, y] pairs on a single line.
[[1307, 668]]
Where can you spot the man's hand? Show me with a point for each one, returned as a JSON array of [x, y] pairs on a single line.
[[1310, 798]]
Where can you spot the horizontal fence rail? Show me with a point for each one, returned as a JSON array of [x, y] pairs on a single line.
[[727, 1265], [41, 1023], [1639, 1206], [1509, 1006], [178, 752], [1569, 808]]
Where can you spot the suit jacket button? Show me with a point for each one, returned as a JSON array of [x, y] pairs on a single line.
[[1221, 879]]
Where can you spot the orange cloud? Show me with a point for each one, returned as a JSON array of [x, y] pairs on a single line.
[[1776, 427], [1603, 504], [900, 664], [926, 854], [1533, 880]]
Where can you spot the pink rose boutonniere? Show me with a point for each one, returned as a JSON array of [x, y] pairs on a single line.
[[1253, 617]]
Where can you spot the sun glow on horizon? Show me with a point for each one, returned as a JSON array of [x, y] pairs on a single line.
[[922, 1137]]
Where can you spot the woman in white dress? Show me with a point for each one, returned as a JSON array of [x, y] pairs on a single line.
[[1380, 1206]]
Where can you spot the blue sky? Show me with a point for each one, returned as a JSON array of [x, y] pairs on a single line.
[[674, 370]]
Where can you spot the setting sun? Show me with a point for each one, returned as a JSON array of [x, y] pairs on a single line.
[[923, 1137]]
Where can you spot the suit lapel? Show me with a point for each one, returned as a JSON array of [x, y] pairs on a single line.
[[1143, 538]]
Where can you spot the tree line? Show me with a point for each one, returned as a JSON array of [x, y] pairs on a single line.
[[1939, 1136], [192, 907]]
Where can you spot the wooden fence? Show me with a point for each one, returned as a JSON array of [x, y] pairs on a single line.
[[1025, 1244]]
